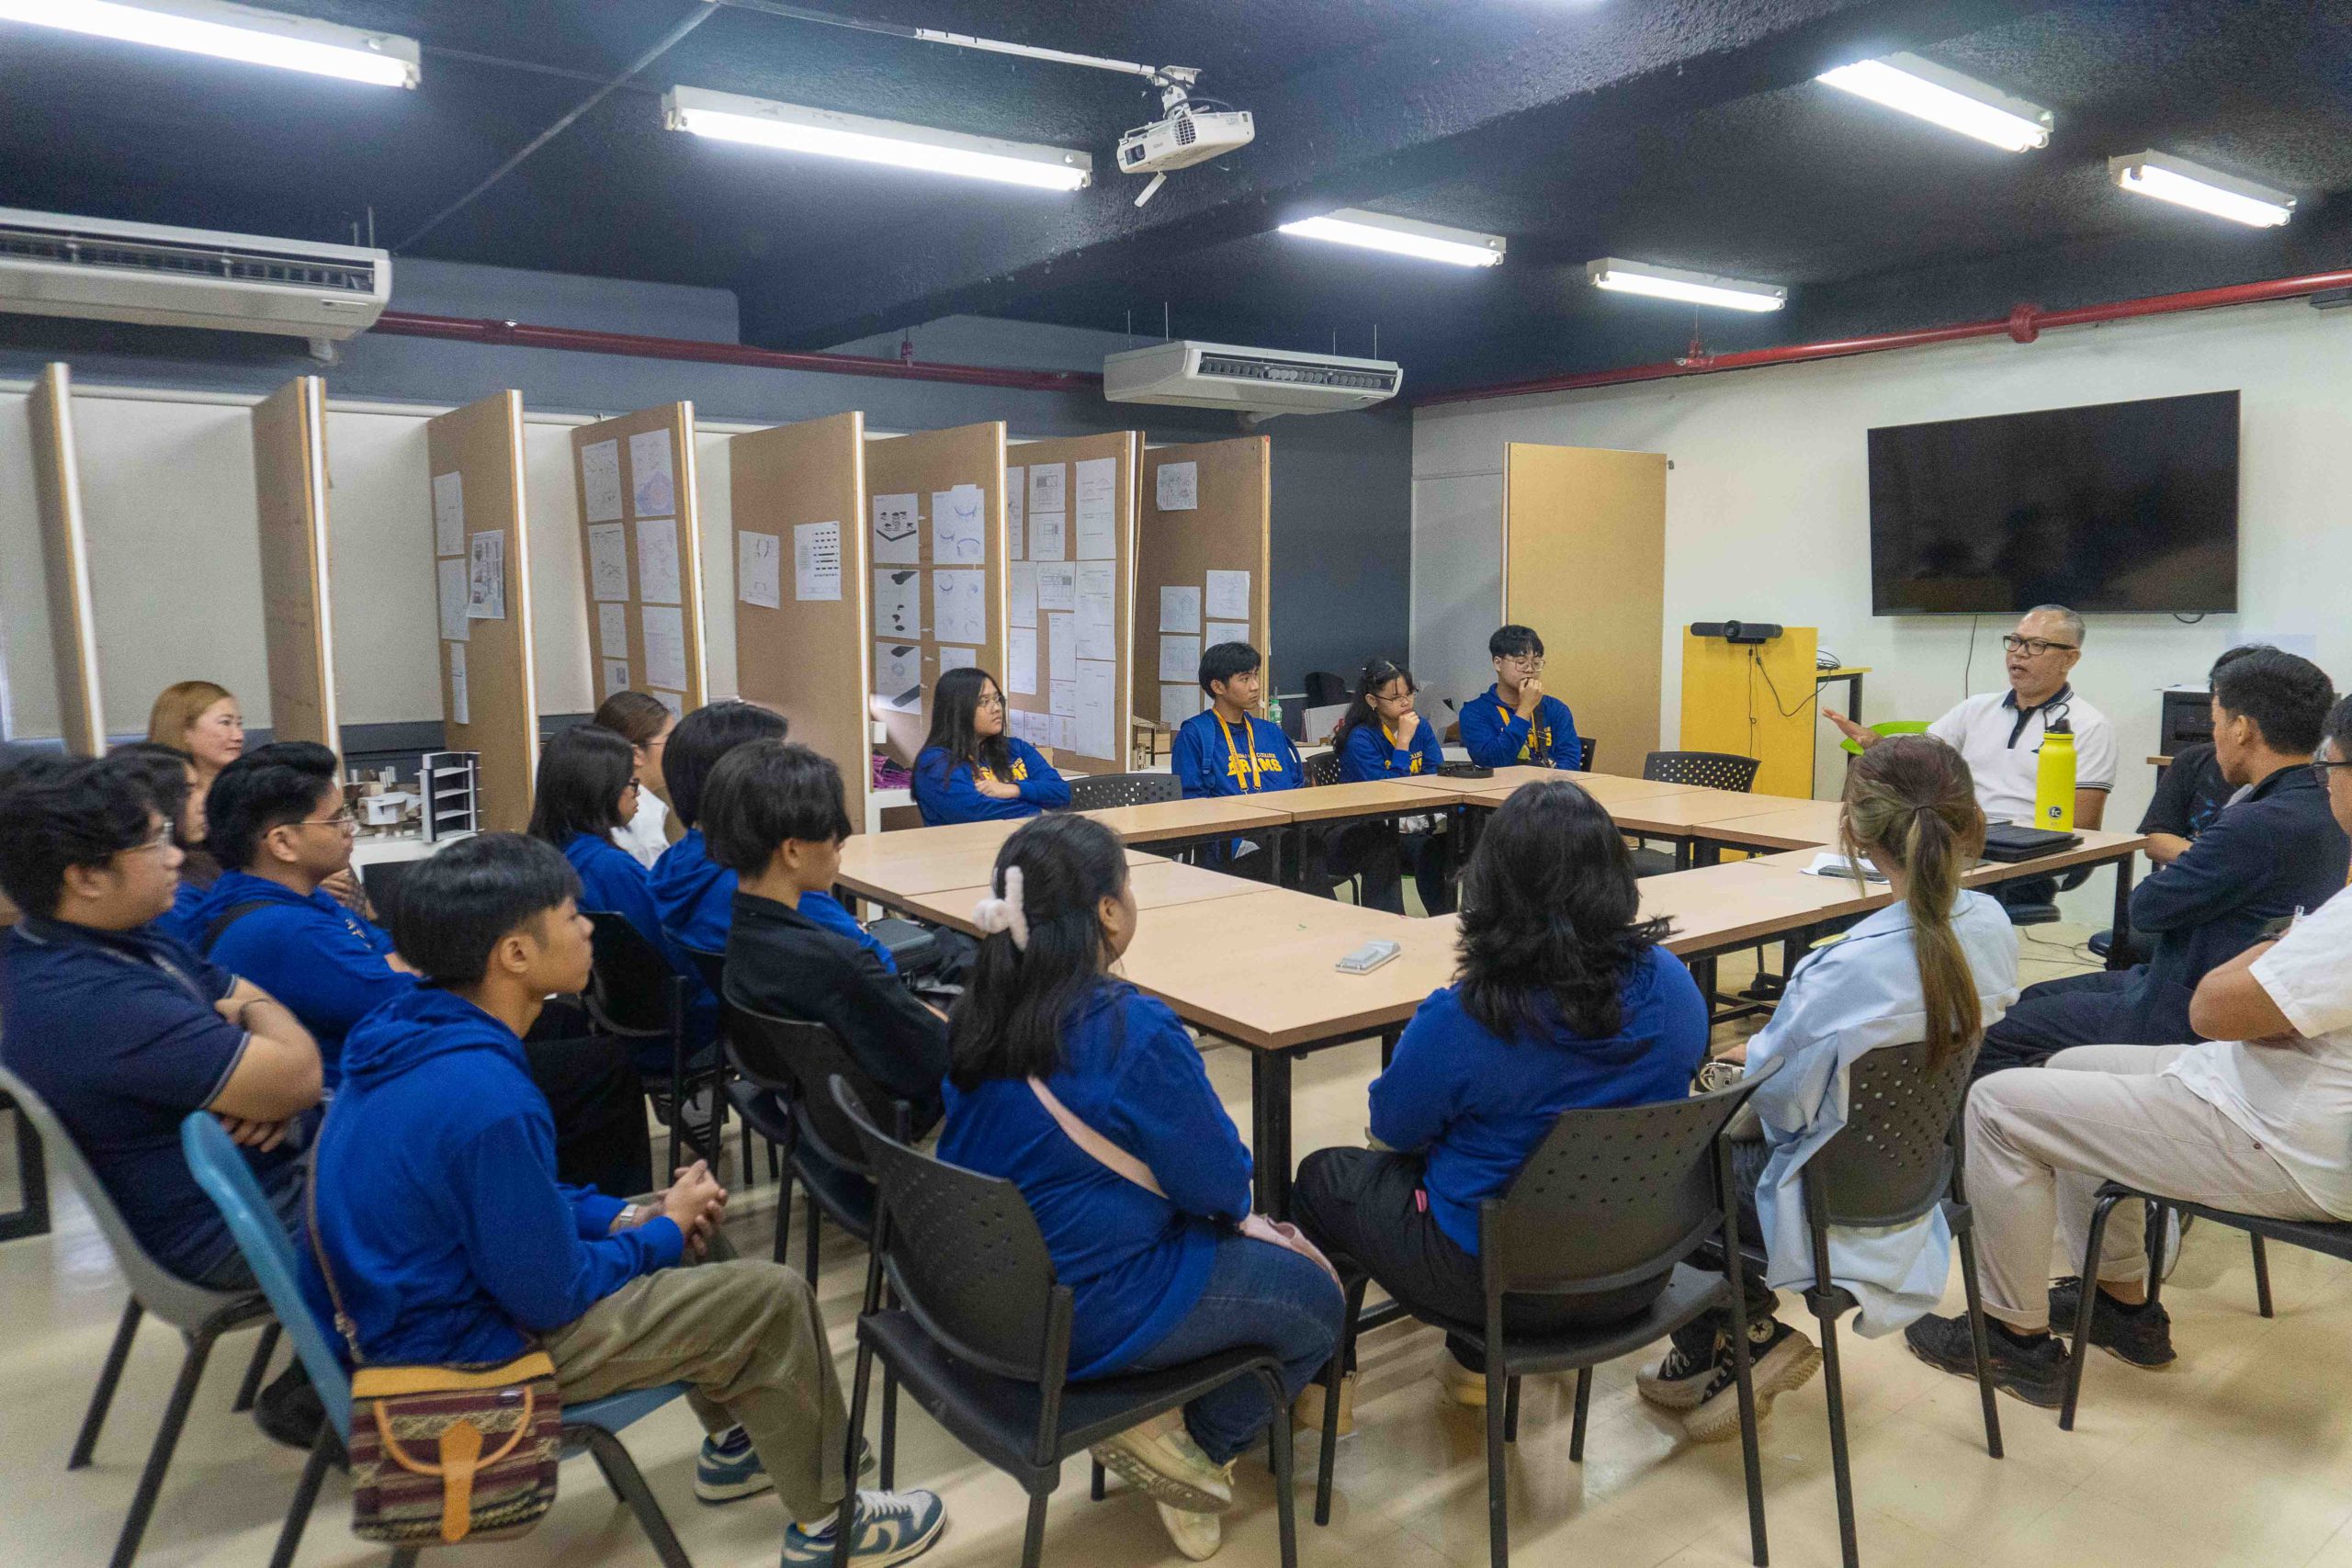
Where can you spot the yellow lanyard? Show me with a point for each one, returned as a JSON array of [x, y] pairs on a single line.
[[1250, 738], [1527, 748]]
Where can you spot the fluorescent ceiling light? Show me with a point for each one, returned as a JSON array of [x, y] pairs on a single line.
[[1402, 236], [228, 32], [1945, 97], [764, 123], [2185, 184], [1692, 288]]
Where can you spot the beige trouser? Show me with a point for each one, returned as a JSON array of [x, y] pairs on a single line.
[[748, 1338], [2041, 1139]]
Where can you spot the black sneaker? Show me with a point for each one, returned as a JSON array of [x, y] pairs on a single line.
[[2139, 1335], [1681, 1380], [288, 1411], [2034, 1371], [1779, 1360]]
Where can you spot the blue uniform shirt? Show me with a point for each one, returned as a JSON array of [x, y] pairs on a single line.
[[612, 878], [1498, 738], [1371, 751], [1212, 757], [695, 896], [324, 962], [948, 791]]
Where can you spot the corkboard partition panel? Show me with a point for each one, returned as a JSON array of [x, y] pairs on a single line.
[[808, 658], [1229, 528], [634, 483], [1584, 563], [65, 559], [926, 466], [298, 623], [1123, 448], [482, 445]]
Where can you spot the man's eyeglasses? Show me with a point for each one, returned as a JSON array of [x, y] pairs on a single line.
[[1533, 664], [2321, 770], [161, 839], [342, 821], [2035, 646]]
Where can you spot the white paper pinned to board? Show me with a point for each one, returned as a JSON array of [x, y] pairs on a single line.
[[959, 607], [652, 483], [657, 560], [1017, 512], [897, 604], [1179, 609], [897, 539], [1061, 647], [1180, 658], [612, 631], [665, 646], [1046, 536], [1048, 483], [608, 561], [1225, 631], [460, 701], [1097, 612], [897, 675], [454, 620], [1020, 578], [1179, 702], [1178, 487], [600, 481], [817, 562], [449, 514], [1095, 512], [1063, 698], [958, 536], [758, 570], [958, 659], [1058, 585], [1095, 730], [486, 577], [1021, 661], [616, 675], [1228, 596]]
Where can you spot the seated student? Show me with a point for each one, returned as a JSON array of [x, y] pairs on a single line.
[[2275, 850], [1048, 1048], [587, 794], [452, 1239], [1563, 1000], [969, 770], [774, 814], [2192, 791], [1227, 749], [1517, 722], [645, 722], [1382, 737], [1934, 967], [170, 774], [278, 822], [122, 1030], [2252, 1120]]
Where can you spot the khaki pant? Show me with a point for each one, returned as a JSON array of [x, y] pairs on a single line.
[[748, 1338], [2041, 1139]]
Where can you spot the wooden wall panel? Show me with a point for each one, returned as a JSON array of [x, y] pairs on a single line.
[[1230, 528], [65, 559], [482, 445], [1120, 450], [298, 623], [626, 500]]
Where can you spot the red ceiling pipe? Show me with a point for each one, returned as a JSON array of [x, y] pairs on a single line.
[[2022, 324], [580, 340]]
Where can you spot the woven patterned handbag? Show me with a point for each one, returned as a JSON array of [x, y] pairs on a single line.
[[442, 1455]]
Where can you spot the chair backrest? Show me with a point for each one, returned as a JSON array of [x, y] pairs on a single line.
[[965, 1257], [1613, 1195], [629, 984], [228, 1181], [1892, 1160], [1323, 688], [160, 1291], [1321, 770], [382, 881], [711, 966], [1587, 749], [1095, 790], [1710, 769], [796, 1062]]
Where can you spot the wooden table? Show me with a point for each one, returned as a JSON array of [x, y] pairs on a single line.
[[1778, 823], [1187, 821], [1157, 884], [1374, 797], [1717, 909], [874, 867]]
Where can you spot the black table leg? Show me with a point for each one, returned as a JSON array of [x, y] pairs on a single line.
[[1705, 852], [31, 1216], [2119, 947], [1270, 1137]]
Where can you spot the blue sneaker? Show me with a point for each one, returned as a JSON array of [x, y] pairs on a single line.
[[891, 1527], [728, 1468]]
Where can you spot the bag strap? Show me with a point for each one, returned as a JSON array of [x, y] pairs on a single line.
[[1101, 1149], [227, 917], [343, 1321]]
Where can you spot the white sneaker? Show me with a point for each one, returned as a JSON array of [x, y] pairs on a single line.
[[1161, 1459], [1197, 1536]]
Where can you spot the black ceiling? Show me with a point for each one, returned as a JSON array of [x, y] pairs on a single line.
[[1687, 132]]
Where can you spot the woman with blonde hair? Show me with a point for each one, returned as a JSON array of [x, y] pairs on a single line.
[[201, 718], [1938, 965]]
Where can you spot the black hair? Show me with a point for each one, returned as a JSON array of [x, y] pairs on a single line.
[[2286, 694], [2231, 655], [704, 736], [2339, 729], [1008, 1022], [635, 717], [1514, 642], [762, 793], [263, 789], [1551, 918], [455, 905], [164, 769], [1375, 675], [954, 700], [584, 773], [56, 814], [1223, 661]]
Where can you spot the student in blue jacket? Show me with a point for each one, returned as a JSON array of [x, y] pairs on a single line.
[[587, 792], [1227, 749], [1564, 1000], [1382, 737], [451, 1239], [1160, 1275], [1517, 722], [969, 770], [170, 775]]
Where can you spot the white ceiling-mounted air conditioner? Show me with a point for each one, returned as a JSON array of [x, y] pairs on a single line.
[[1262, 381], [97, 269]]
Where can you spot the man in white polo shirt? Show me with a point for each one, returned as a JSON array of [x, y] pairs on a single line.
[[2000, 733], [2257, 1119]]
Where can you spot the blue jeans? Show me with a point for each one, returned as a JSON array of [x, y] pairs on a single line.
[[1259, 1296]]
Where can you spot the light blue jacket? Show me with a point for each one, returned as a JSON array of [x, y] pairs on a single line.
[[1844, 999]]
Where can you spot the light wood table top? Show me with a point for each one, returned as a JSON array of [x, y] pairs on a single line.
[[1259, 969], [1190, 818], [1719, 907], [873, 868], [2096, 848], [1157, 884], [1686, 814], [1792, 825], [1610, 789], [1372, 795], [953, 835]]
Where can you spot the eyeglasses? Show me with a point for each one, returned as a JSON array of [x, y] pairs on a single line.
[[342, 821], [1533, 664], [161, 839], [993, 700], [2321, 770], [2033, 645]]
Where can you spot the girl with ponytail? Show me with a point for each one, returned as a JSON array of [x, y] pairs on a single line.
[[1938, 965], [1090, 1098]]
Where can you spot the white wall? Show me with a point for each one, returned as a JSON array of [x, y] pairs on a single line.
[[1767, 504]]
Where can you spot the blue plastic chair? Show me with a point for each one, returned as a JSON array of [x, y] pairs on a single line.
[[221, 1171]]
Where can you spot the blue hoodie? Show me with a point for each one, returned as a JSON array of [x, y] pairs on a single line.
[[695, 896], [948, 791], [611, 878], [1369, 752], [1497, 737], [328, 966], [1212, 758], [439, 1204]]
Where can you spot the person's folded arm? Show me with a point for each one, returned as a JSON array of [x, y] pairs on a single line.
[[1044, 786], [2231, 1003], [1493, 741], [278, 1074], [1171, 1119], [946, 791], [522, 1233], [2222, 871]]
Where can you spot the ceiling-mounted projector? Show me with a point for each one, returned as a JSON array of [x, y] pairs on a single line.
[[1262, 381], [1183, 137]]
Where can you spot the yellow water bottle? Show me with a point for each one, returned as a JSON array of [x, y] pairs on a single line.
[[2053, 780]]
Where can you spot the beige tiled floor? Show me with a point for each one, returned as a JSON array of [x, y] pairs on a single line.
[[2240, 1457]]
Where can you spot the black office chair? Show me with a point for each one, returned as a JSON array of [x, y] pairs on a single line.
[[981, 1336], [1707, 769], [1324, 689], [712, 967], [380, 880], [1897, 1158], [1320, 769], [1314, 842], [1587, 749], [2044, 911], [1096, 791], [1608, 1198], [635, 994]]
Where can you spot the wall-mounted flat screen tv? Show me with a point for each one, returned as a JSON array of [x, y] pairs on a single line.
[[2110, 507]]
